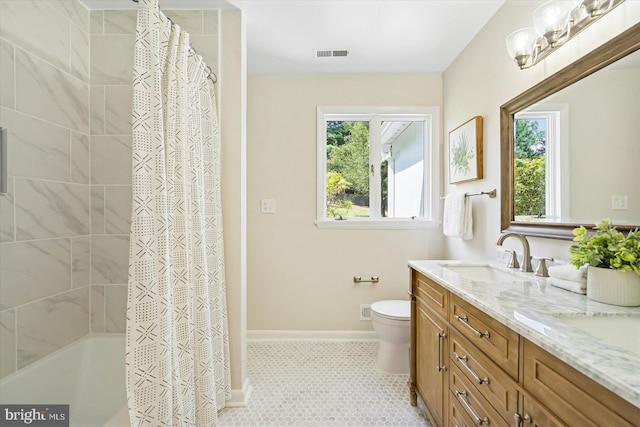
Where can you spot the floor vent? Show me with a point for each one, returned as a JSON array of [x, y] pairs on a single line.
[[365, 311], [330, 53]]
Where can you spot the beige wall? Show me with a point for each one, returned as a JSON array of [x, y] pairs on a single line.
[[480, 80], [300, 277], [45, 219], [603, 150]]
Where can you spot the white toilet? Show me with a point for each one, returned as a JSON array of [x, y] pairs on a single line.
[[392, 321]]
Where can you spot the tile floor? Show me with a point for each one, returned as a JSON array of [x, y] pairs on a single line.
[[322, 384]]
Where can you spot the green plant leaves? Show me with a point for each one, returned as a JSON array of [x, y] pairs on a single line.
[[606, 248]]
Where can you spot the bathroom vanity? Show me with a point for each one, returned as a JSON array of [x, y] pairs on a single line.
[[492, 346]]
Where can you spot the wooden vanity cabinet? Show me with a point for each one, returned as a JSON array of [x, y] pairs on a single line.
[[470, 369], [430, 379]]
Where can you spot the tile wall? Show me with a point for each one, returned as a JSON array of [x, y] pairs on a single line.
[[45, 222], [65, 96], [112, 39]]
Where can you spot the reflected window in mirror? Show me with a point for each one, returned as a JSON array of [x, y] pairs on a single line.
[[541, 164]]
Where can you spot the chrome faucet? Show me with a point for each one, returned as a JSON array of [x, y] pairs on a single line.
[[526, 258]]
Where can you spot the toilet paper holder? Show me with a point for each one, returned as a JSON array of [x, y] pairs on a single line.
[[358, 279]]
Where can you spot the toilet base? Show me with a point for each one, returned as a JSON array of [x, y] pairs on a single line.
[[393, 358]]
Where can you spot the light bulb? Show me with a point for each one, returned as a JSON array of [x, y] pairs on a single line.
[[551, 18], [520, 45]]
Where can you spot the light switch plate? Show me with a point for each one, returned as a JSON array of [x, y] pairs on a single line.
[[619, 203], [268, 206]]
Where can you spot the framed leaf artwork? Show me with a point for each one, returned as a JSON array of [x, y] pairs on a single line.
[[465, 152]]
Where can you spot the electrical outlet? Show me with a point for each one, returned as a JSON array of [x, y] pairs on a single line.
[[619, 203], [268, 206]]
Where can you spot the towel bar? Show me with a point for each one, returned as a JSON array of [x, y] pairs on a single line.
[[491, 193]]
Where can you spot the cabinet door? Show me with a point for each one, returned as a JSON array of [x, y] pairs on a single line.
[[574, 398], [535, 415], [431, 358]]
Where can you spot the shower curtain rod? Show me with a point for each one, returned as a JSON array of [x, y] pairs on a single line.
[[210, 74]]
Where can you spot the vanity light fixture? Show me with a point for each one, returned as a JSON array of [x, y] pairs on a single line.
[[555, 22]]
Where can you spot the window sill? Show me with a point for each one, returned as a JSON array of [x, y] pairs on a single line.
[[365, 224]]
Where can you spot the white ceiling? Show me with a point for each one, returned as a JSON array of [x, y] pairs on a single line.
[[382, 36]]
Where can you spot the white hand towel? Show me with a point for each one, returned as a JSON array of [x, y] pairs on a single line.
[[457, 218], [568, 272], [569, 285]]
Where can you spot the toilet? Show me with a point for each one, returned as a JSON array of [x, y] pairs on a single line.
[[391, 319]]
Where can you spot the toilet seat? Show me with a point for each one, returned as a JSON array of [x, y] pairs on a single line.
[[392, 309]]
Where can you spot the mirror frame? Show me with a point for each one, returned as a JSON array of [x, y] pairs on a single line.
[[617, 48]]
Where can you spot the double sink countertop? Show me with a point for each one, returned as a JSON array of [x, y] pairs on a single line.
[[601, 341]]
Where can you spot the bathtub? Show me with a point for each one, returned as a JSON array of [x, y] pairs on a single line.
[[88, 375]]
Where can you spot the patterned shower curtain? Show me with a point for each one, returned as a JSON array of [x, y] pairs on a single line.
[[177, 354]]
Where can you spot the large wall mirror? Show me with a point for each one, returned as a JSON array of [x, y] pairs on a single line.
[[571, 145]]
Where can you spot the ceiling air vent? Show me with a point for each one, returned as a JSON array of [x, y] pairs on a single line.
[[330, 53]]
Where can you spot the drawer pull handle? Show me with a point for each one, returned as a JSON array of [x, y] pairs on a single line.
[[465, 321], [463, 360], [440, 367], [462, 397]]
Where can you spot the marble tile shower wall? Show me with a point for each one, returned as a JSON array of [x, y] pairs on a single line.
[[45, 222], [112, 39]]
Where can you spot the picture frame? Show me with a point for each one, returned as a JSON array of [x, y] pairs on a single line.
[[465, 152]]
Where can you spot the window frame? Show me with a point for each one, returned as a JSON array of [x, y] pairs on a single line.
[[432, 142]]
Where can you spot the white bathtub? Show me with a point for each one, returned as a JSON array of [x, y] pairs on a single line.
[[88, 375]]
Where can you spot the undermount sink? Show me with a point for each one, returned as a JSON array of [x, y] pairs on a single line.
[[621, 330], [478, 272]]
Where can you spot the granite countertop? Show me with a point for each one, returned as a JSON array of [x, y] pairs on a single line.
[[534, 309]]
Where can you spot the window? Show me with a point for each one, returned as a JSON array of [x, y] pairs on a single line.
[[377, 167]]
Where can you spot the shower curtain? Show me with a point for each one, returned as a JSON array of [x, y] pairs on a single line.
[[177, 354]]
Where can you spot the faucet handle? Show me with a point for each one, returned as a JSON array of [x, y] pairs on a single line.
[[541, 269], [513, 259]]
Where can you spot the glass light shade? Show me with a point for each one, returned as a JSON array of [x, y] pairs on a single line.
[[550, 19], [520, 45], [596, 7], [578, 13]]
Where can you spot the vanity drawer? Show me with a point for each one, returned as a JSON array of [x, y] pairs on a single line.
[[496, 340], [457, 415], [488, 378], [432, 294], [477, 409], [574, 398]]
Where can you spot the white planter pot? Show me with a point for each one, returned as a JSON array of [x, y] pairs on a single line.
[[613, 286]]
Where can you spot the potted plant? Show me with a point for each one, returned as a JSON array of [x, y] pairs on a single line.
[[613, 259]]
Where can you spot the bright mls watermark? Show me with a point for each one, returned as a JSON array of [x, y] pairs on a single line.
[[34, 415]]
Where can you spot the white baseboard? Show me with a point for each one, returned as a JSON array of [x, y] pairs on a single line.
[[262, 335], [240, 398]]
